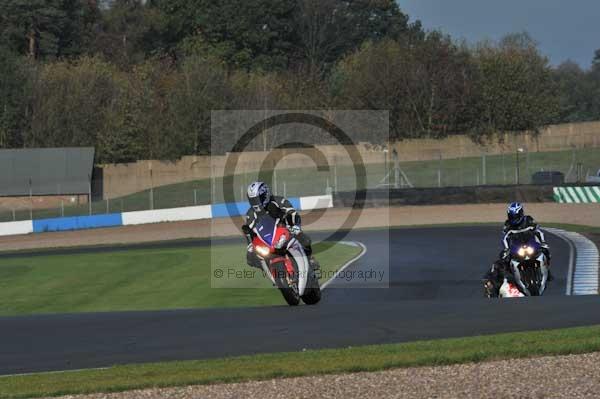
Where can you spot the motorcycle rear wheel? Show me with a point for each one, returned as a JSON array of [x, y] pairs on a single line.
[[312, 293]]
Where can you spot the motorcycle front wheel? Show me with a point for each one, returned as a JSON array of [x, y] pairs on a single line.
[[532, 277], [288, 285]]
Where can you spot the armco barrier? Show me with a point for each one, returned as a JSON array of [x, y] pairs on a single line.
[[77, 223], [447, 196], [148, 217]]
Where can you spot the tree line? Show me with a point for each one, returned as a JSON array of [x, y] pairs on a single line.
[[138, 79]]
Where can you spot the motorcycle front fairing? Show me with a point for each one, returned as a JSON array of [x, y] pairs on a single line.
[[528, 253], [269, 237], [297, 252], [510, 290]]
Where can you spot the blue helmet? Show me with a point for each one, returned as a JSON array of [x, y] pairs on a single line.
[[259, 195], [516, 213]]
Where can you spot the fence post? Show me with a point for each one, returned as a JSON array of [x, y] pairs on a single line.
[[30, 200], [90, 194], [107, 206], [503, 169], [151, 189], [440, 170], [527, 174], [195, 198], [461, 179], [14, 215], [62, 208], [335, 176], [213, 184], [396, 160], [484, 169]]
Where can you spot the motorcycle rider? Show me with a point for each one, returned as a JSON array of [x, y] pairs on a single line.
[[516, 223], [261, 200]]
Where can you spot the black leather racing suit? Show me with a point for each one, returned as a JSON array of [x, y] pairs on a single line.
[[278, 208], [500, 270]]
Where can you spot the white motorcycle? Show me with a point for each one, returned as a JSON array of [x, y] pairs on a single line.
[[529, 266], [285, 262]]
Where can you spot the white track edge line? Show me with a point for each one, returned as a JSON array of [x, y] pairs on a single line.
[[347, 264]]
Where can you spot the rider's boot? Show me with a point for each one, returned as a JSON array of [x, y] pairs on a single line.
[[489, 289], [306, 244]]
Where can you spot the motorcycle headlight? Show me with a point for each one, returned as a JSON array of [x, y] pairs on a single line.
[[529, 251], [521, 252], [262, 251]]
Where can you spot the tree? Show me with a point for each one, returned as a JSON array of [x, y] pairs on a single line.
[[46, 28], [245, 34], [596, 61], [514, 87], [77, 104], [131, 32], [14, 96], [201, 86], [425, 86], [578, 93]]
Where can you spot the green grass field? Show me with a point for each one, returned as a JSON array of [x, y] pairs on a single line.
[[141, 280], [500, 169], [111, 281], [319, 362]]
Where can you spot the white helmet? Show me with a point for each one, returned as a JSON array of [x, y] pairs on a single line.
[[259, 195]]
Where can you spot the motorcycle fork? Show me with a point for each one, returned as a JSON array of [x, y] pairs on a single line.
[[287, 262]]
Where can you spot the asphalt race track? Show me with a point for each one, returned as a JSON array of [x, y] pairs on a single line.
[[418, 283]]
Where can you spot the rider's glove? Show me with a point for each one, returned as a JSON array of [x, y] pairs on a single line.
[[250, 248], [295, 230]]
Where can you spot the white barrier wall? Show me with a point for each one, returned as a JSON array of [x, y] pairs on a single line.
[[317, 202], [167, 215], [148, 217], [16, 228]]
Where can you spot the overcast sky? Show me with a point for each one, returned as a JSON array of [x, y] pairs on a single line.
[[565, 29]]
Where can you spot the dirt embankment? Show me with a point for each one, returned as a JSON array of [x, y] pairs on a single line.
[[331, 219]]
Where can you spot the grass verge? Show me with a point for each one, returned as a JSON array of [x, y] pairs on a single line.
[[144, 279], [260, 367]]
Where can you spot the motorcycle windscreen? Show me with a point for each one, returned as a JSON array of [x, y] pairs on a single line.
[[265, 228], [520, 240]]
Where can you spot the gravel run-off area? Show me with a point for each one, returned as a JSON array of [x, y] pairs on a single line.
[[576, 376]]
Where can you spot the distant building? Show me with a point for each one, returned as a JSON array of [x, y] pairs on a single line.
[[45, 177]]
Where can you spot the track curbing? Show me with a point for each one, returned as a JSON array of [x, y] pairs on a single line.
[[584, 270]]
